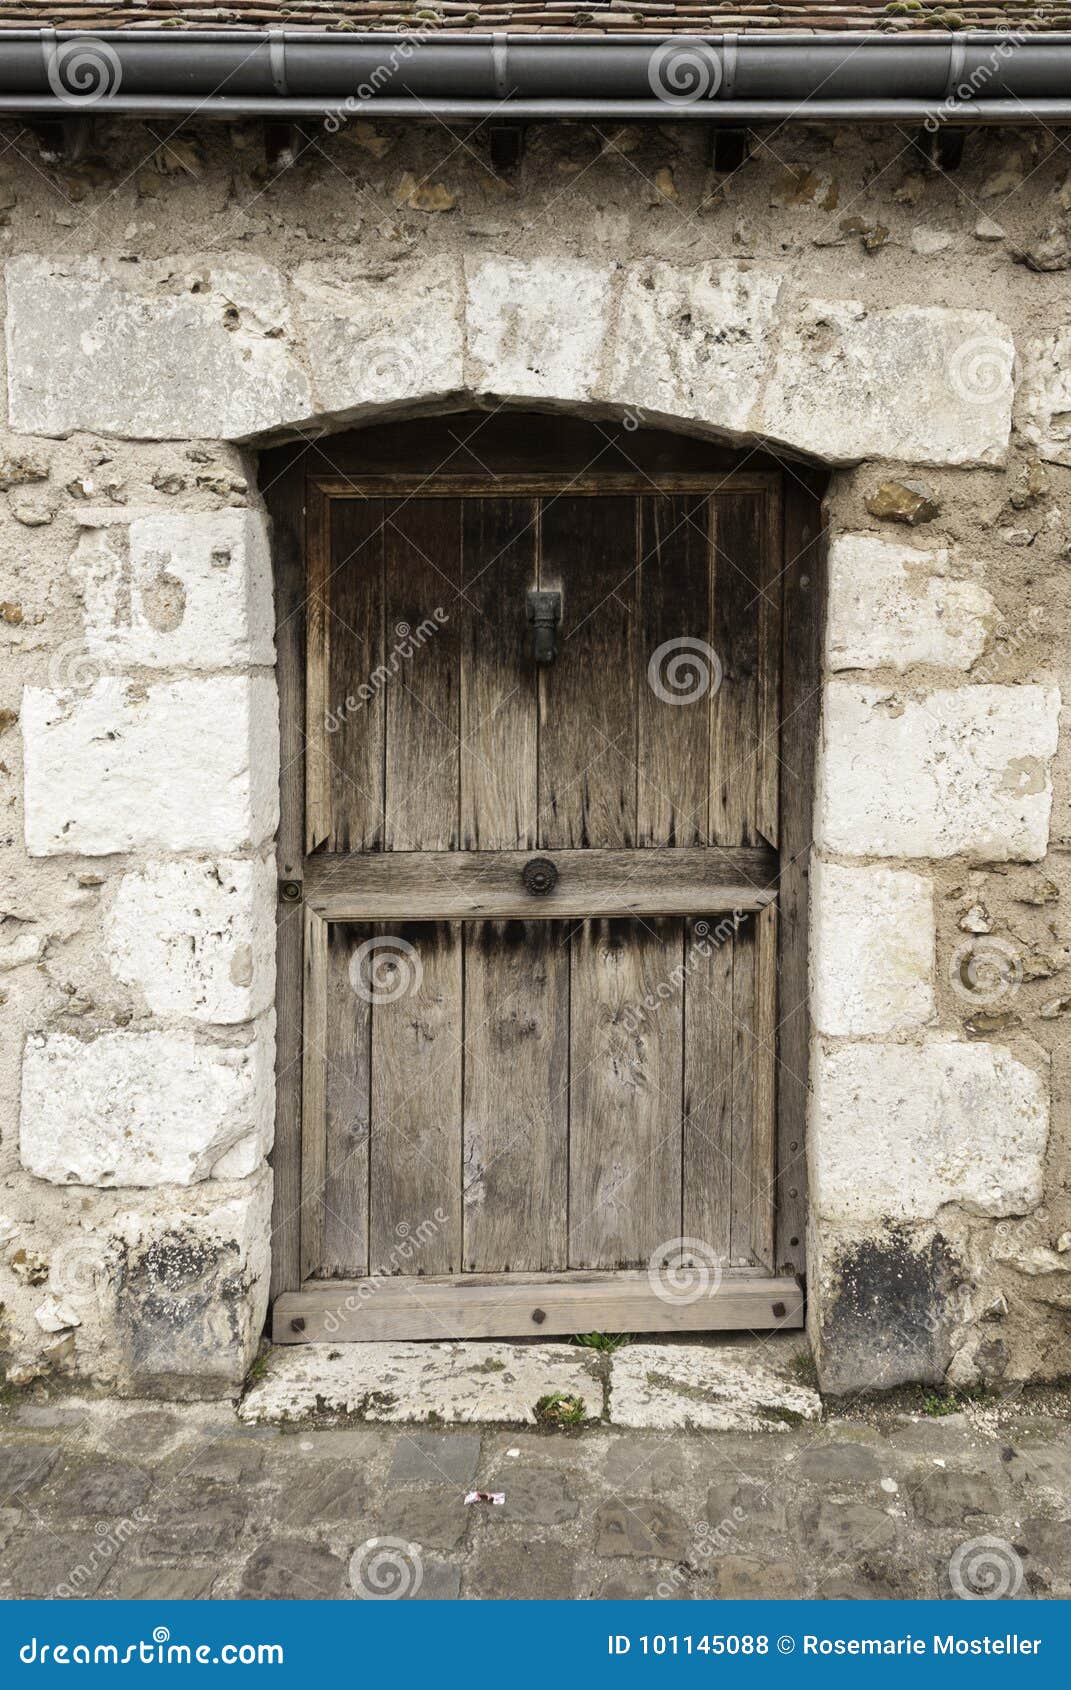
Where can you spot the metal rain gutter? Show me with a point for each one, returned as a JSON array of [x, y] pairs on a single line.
[[971, 77]]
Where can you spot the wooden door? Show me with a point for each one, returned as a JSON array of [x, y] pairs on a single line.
[[534, 906]]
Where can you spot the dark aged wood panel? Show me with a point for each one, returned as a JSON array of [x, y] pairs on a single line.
[[318, 785], [625, 1097], [314, 1095], [739, 592], [673, 685], [422, 564], [516, 1134], [587, 719], [455, 885], [498, 678], [526, 1305], [417, 1039], [348, 1020], [353, 695], [708, 1090]]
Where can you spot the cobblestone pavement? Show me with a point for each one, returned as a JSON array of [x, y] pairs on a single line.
[[148, 1502]]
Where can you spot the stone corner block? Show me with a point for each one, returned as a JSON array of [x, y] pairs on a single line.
[[187, 1299], [898, 1130], [694, 341], [892, 606], [1044, 405], [536, 327], [872, 950], [185, 765], [185, 590], [145, 1109], [915, 384], [198, 938], [937, 774], [382, 339], [164, 350]]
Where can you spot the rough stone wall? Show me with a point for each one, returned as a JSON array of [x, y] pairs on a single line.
[[168, 306]]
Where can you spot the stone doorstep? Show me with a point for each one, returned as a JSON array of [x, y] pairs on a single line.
[[745, 1386]]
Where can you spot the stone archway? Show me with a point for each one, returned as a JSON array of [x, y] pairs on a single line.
[[906, 1122]]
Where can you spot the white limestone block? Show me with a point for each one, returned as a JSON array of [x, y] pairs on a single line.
[[176, 590], [536, 327], [694, 342], [188, 765], [872, 950], [161, 350], [891, 605], [1043, 412], [691, 1387], [921, 384], [197, 938], [142, 1109], [898, 1130], [937, 774]]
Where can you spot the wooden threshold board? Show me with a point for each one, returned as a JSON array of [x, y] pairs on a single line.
[[512, 1305], [460, 885]]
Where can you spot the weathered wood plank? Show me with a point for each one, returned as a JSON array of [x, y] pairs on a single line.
[[764, 1089], [767, 775], [625, 1101], [674, 679], [743, 1131], [314, 1095], [516, 1153], [525, 1305], [354, 700], [318, 664], [708, 1088], [478, 884], [587, 696], [499, 703], [422, 564], [417, 1042], [734, 738], [347, 1102]]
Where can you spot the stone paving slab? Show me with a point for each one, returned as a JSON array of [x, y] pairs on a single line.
[[663, 1386], [424, 1383], [883, 1505]]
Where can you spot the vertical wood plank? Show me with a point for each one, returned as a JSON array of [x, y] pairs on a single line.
[[675, 672], [354, 703], [739, 533], [499, 702], [804, 615], [314, 1096], [587, 724], [347, 1103], [742, 1113], [625, 1095], [516, 1096], [708, 1084], [764, 1089], [285, 496], [767, 779], [422, 564], [318, 663], [417, 1042]]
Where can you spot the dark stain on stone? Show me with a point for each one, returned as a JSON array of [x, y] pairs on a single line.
[[888, 1318], [179, 1315]]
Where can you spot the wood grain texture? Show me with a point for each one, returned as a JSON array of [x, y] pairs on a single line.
[[747, 1039], [516, 1138], [422, 565], [587, 713], [318, 665], [734, 739], [499, 702], [526, 1306], [456, 885], [625, 1097], [417, 1040], [354, 694], [347, 1103], [673, 688], [708, 1085], [314, 1095], [764, 1090]]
